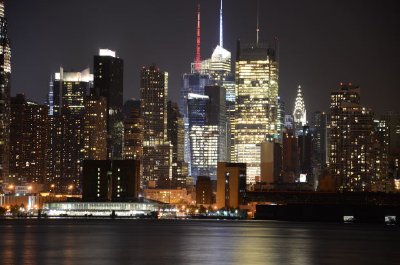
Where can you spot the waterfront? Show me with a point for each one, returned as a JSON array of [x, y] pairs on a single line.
[[70, 241]]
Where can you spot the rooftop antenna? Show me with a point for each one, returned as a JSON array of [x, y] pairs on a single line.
[[221, 36], [258, 20], [198, 58]]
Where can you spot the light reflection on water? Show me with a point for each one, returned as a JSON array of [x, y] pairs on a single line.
[[70, 242]]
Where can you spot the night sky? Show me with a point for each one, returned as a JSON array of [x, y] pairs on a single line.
[[321, 42]]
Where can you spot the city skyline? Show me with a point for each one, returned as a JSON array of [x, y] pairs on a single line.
[[311, 51]]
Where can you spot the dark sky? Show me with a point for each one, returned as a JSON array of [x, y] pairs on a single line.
[[321, 42]]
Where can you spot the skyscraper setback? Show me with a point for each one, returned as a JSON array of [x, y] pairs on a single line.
[[5, 79]]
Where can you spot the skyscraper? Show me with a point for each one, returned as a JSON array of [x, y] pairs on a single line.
[[108, 83], [256, 104], [176, 135], [29, 141], [66, 100], [351, 140], [95, 128], [157, 153], [5, 79], [207, 127], [320, 139], [133, 130], [299, 111]]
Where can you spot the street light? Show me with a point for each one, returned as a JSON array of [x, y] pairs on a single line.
[[29, 189], [70, 187]]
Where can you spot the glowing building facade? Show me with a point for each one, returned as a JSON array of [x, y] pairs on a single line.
[[299, 111], [157, 150], [95, 128], [207, 131], [5, 80], [29, 141], [350, 140], [256, 111], [66, 100]]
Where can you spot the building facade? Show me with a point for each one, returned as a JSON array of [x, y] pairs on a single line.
[[29, 141], [108, 83], [231, 185], [256, 105], [95, 128], [111, 180], [66, 101], [351, 140], [157, 151], [5, 85]]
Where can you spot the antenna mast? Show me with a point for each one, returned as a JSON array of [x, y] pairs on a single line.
[[198, 58], [258, 20], [221, 36]]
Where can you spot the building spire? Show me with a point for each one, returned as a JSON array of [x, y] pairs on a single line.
[[198, 57], [258, 20], [221, 30], [299, 112]]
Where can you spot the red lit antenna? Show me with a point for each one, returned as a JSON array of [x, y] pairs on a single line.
[[198, 58]]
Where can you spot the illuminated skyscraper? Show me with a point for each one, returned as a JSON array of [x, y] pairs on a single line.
[[299, 111], [108, 83], [157, 153], [29, 141], [66, 100], [5, 79], [207, 127], [256, 105], [95, 128], [351, 140]]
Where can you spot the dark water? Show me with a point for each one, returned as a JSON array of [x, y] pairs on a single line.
[[68, 242]]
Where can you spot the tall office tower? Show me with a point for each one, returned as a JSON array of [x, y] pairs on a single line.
[[256, 104], [67, 110], [108, 83], [381, 181], [29, 141], [351, 140], [95, 128], [393, 122], [157, 153], [193, 83], [305, 156], [5, 80], [320, 139], [299, 111], [133, 130], [176, 135], [207, 127], [290, 156], [231, 185]]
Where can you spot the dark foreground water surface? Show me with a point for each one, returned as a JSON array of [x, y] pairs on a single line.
[[68, 242]]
